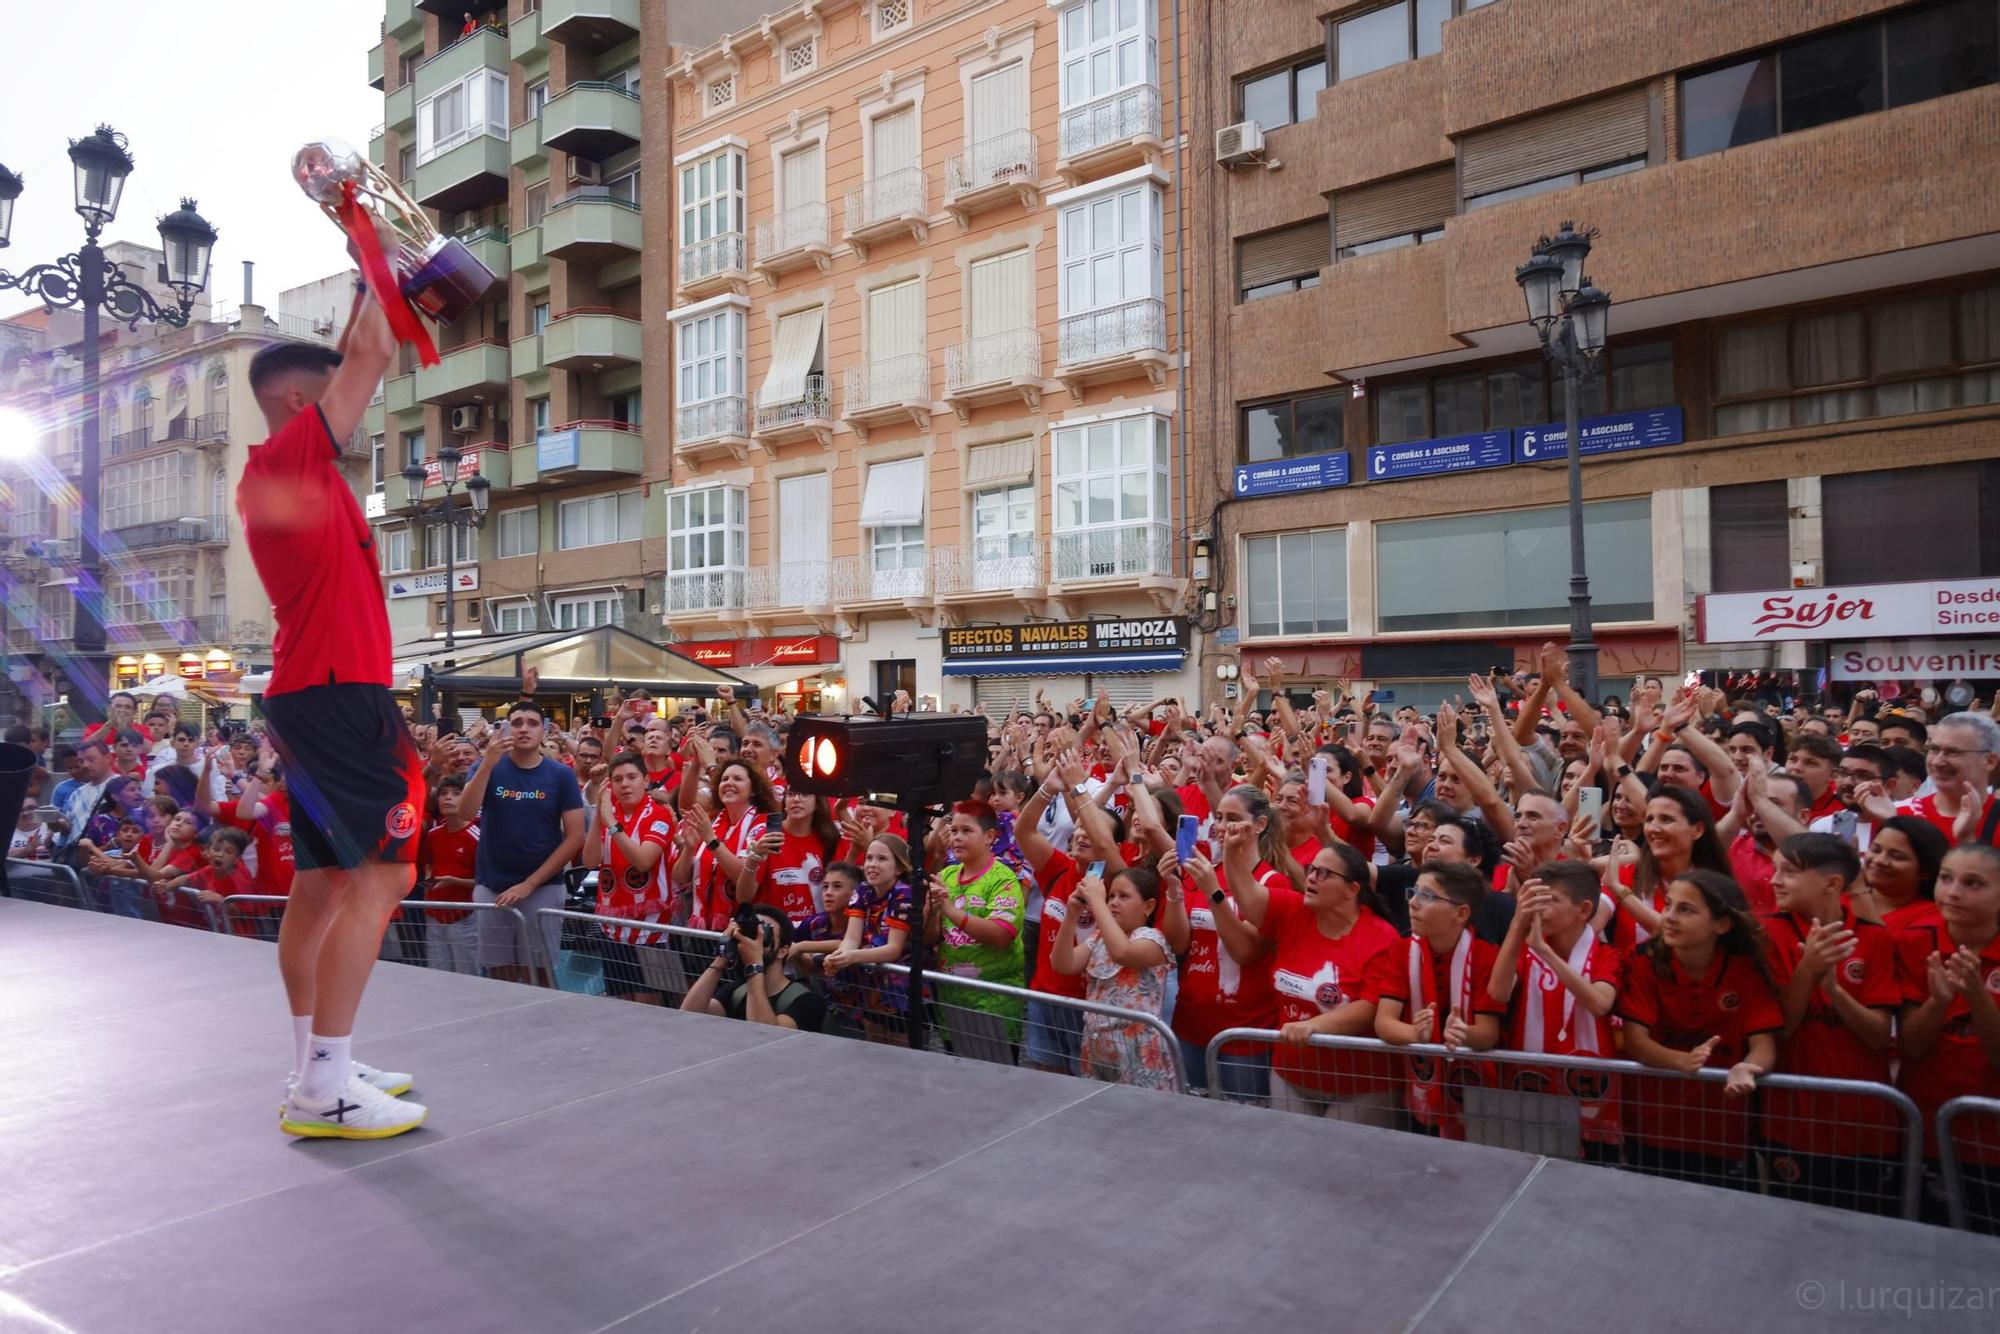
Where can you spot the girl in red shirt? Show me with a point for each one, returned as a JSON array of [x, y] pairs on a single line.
[[1324, 945], [713, 846], [1679, 834], [1698, 995], [786, 868], [1951, 1021], [1900, 873]]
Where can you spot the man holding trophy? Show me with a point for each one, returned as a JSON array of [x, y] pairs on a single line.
[[356, 781]]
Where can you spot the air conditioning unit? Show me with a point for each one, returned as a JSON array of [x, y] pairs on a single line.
[[582, 171], [465, 419], [1241, 142]]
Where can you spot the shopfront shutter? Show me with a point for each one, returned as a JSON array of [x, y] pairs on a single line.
[[1125, 689], [1004, 696], [1288, 252], [1576, 138], [1412, 203]]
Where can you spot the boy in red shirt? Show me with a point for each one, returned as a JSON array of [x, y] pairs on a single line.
[[1572, 983], [444, 869], [1839, 989], [1439, 980], [223, 875]]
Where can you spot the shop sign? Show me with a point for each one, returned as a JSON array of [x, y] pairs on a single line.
[[1067, 639], [555, 449], [431, 584], [1276, 476], [375, 505], [1915, 659], [802, 650], [468, 464], [1855, 611], [1455, 453], [1601, 435]]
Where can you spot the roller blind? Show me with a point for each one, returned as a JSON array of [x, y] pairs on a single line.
[[894, 139], [1011, 463], [1288, 252], [794, 348], [999, 102], [894, 495], [802, 518], [1003, 294], [1576, 138], [1404, 204], [896, 320], [803, 182]]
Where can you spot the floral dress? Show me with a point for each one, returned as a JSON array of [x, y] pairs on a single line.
[[1119, 1051]]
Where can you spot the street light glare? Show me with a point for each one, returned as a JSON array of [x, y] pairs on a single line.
[[19, 434]]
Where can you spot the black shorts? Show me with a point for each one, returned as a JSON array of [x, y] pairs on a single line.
[[353, 776]]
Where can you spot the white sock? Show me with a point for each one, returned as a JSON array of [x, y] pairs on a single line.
[[302, 1027], [327, 1068]]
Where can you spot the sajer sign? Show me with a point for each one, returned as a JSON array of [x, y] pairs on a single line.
[[1859, 611]]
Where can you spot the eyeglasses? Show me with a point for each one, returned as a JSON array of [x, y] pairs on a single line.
[[1323, 873], [1954, 752]]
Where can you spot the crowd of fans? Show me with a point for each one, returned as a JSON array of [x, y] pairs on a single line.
[[1681, 878]]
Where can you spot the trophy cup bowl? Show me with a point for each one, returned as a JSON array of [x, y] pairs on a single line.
[[436, 274]]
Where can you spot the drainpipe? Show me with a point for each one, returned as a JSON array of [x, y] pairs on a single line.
[[1180, 289]]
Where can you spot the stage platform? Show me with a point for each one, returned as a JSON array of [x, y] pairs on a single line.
[[592, 1165]]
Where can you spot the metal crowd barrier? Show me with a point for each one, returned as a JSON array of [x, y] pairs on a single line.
[[868, 1001], [414, 935], [48, 882], [1971, 1191], [1846, 1143]]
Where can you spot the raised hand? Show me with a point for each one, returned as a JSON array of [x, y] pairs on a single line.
[[1482, 692]]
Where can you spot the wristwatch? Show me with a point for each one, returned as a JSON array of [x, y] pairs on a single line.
[[1216, 896], [1624, 771], [753, 970], [713, 844]]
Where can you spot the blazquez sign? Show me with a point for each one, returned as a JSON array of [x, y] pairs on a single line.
[[1864, 611]]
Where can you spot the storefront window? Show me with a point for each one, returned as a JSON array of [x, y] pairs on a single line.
[[1512, 568], [1296, 583], [1900, 524]]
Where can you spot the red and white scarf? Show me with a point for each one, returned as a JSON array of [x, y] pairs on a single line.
[[1534, 1036], [1423, 984]]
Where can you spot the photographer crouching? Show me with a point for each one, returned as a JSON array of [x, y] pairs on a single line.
[[747, 979]]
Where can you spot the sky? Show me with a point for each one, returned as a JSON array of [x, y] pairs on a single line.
[[214, 97]]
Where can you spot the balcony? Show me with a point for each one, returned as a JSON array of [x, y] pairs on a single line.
[[378, 146], [524, 40], [524, 357], [713, 428], [468, 171], [402, 21], [488, 458], [1142, 551], [580, 451], [590, 25], [994, 369], [713, 266], [806, 417], [485, 49], [188, 532], [1115, 343], [590, 226], [524, 143], [137, 440], [891, 205], [208, 428], [489, 246], [162, 628], [702, 594], [804, 586], [399, 395], [591, 340], [399, 111], [888, 391], [992, 571], [375, 79], [991, 174], [865, 579], [592, 119], [474, 373], [527, 247], [795, 238], [1111, 133]]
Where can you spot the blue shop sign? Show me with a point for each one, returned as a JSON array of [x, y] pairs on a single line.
[[555, 449], [1601, 435], [1456, 453], [1276, 476]]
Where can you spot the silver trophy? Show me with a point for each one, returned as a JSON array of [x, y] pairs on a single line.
[[436, 273]]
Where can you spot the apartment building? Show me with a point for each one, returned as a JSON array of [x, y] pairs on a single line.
[[929, 428], [176, 425], [1795, 218]]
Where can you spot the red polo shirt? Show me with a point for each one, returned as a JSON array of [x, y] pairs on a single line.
[[316, 555]]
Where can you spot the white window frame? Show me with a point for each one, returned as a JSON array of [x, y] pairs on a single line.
[[582, 611], [606, 519], [1082, 52], [701, 209], [512, 617], [1257, 582], [698, 519], [537, 96], [541, 414], [709, 354], [158, 489], [1079, 256], [378, 455], [1120, 545], [394, 546], [508, 523], [906, 553], [889, 17], [413, 449], [1003, 555], [482, 94], [464, 546], [624, 187]]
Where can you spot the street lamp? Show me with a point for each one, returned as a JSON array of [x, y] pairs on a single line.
[[1570, 316], [453, 517], [85, 280]]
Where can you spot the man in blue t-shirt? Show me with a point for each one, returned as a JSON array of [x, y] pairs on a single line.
[[530, 811]]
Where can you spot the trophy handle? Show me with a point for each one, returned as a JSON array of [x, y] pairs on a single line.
[[408, 216]]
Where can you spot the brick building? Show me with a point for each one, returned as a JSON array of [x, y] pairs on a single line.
[[1797, 225]]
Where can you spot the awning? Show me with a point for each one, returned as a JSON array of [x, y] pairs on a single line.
[[792, 349], [771, 677], [567, 661], [1043, 665], [894, 495], [1009, 464]]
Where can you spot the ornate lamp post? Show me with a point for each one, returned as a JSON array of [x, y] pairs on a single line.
[[452, 517]]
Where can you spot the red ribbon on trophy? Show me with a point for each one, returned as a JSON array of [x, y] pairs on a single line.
[[359, 223]]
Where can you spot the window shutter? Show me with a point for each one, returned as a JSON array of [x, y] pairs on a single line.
[[802, 518], [999, 102], [1288, 252], [1395, 207], [895, 320], [894, 138], [1011, 463], [804, 182], [1003, 294], [1576, 138], [793, 349], [894, 494]]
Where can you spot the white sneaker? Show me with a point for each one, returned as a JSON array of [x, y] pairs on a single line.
[[359, 1111], [392, 1082]]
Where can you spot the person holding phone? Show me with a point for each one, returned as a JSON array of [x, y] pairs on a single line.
[[1055, 1032]]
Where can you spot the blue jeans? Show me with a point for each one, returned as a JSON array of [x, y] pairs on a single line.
[[127, 898], [1246, 1075], [1054, 1037]]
